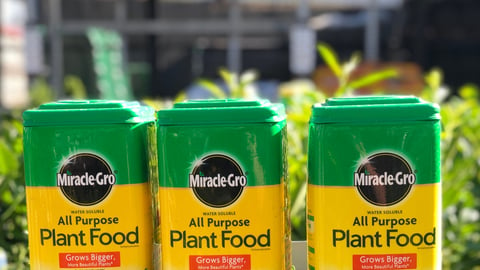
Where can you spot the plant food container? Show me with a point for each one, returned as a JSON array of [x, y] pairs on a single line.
[[222, 188], [88, 196], [374, 191]]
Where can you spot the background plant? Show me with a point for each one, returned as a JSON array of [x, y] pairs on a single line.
[[460, 172], [460, 153], [13, 220], [460, 147], [13, 210], [298, 97], [237, 85]]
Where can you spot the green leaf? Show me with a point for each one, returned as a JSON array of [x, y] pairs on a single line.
[[40, 92], [231, 79], [8, 160], [211, 87], [434, 92], [434, 78], [330, 58], [13, 205], [181, 97], [74, 87], [246, 88], [351, 65], [469, 92], [248, 77], [373, 78]]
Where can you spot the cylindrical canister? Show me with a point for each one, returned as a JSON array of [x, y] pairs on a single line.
[[88, 195], [222, 189], [374, 192]]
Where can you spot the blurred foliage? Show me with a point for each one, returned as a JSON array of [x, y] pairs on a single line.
[[13, 210], [460, 153], [74, 87], [344, 71], [40, 92], [460, 147], [298, 97], [460, 172], [13, 220], [159, 104], [238, 86]]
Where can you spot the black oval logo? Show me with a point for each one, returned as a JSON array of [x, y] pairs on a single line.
[[217, 180], [384, 179], [85, 179]]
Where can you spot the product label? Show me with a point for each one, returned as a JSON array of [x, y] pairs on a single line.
[[220, 221], [85, 179], [89, 259], [88, 220], [386, 261], [384, 179], [220, 262], [217, 180], [385, 220]]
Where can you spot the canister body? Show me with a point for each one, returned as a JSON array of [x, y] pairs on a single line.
[[374, 191], [222, 191], [88, 195]]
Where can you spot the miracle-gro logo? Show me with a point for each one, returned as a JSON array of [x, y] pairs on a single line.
[[400, 178], [384, 179], [231, 180], [85, 179], [217, 180]]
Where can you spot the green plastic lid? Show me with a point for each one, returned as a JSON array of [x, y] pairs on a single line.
[[221, 111], [374, 109], [86, 112]]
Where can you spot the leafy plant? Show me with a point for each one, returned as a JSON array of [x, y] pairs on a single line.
[[298, 97], [74, 87], [159, 104], [13, 210], [343, 71], [460, 154], [41, 92], [13, 220], [460, 172], [238, 86]]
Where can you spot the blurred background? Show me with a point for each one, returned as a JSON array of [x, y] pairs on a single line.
[[297, 52], [164, 45]]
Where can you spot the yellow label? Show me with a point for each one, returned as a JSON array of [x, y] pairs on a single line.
[[115, 233], [249, 234], [347, 232]]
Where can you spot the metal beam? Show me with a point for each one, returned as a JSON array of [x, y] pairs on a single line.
[[56, 47], [180, 27], [151, 14], [372, 29], [234, 51], [120, 19]]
